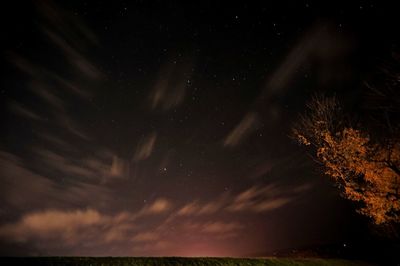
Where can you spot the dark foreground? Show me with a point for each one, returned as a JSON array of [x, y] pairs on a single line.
[[97, 261]]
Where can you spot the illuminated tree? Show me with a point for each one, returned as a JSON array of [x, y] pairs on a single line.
[[366, 170]]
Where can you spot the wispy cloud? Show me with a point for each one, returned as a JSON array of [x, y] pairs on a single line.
[[118, 167], [146, 237], [73, 56], [94, 167], [242, 130], [170, 88], [70, 35], [59, 142], [43, 191], [214, 228], [64, 21], [321, 44], [259, 199], [219, 227], [24, 111], [55, 90], [189, 209], [47, 94], [14, 176], [63, 224], [159, 206], [76, 226], [62, 164], [70, 227], [204, 208], [145, 147], [67, 122], [24, 65]]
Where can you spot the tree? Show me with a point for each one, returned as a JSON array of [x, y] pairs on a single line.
[[366, 170]]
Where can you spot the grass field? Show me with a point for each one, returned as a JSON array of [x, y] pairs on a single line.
[[122, 261]]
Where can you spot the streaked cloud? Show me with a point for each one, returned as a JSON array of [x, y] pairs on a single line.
[[160, 205], [73, 127], [46, 86], [242, 130], [24, 111], [67, 32], [118, 167], [24, 65], [321, 44], [219, 227], [53, 139], [47, 224], [145, 147], [259, 199], [76, 226], [72, 87], [94, 167], [170, 88], [63, 164], [43, 191], [71, 26], [210, 208], [146, 237], [14, 176], [189, 209], [204, 208], [75, 58], [148, 248], [47, 94], [68, 226], [216, 228]]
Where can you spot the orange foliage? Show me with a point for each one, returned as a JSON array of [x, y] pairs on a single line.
[[366, 172]]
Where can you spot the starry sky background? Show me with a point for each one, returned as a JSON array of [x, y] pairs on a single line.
[[153, 128]]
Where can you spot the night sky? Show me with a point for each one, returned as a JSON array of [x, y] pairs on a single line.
[[144, 128]]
